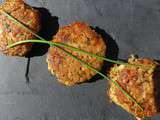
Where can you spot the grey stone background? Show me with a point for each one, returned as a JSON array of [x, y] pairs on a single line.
[[133, 24]]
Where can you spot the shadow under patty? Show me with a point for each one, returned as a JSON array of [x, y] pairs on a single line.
[[111, 53], [49, 28], [156, 82]]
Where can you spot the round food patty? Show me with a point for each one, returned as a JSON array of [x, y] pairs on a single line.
[[140, 83], [10, 32], [67, 70]]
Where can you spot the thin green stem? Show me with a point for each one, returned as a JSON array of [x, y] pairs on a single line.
[[79, 51], [82, 62], [74, 57], [70, 47]]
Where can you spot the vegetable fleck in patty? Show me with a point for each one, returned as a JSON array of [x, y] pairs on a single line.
[[67, 70], [140, 82], [10, 32]]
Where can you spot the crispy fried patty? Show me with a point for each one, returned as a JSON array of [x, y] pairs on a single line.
[[140, 83], [67, 70], [11, 32]]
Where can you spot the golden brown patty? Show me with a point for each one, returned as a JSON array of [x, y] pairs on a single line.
[[67, 70], [140, 83], [11, 32]]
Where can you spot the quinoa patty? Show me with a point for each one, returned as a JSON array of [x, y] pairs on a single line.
[[140, 83], [67, 70], [11, 32]]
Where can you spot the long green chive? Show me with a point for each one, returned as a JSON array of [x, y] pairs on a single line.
[[74, 57], [82, 62], [71, 47]]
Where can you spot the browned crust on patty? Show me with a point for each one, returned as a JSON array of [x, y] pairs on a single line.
[[67, 70], [11, 32], [139, 83]]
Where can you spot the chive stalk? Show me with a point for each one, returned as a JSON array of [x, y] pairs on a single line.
[[71, 47], [74, 57], [79, 60]]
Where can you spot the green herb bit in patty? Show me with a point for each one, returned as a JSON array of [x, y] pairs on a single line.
[[10, 41], [20, 35], [1, 31], [7, 27]]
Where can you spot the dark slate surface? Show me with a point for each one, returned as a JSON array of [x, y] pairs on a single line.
[[135, 26]]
